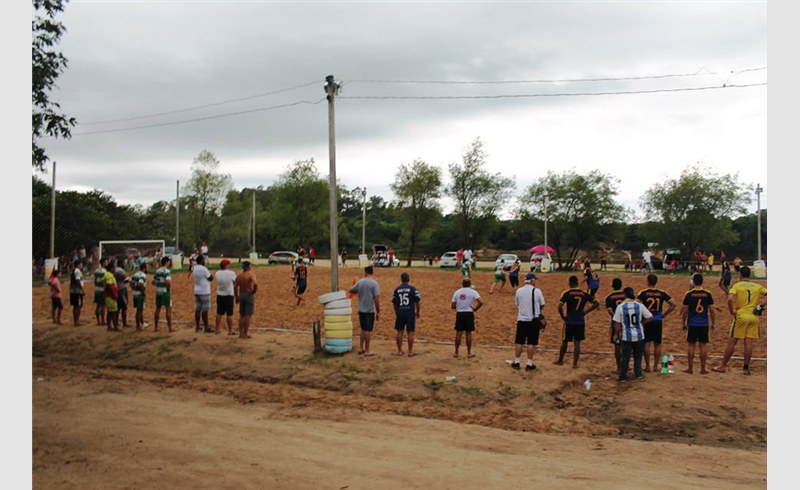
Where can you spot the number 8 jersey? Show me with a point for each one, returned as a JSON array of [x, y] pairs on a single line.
[[698, 301]]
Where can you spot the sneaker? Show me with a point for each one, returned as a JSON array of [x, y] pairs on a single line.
[[641, 376], [530, 367], [515, 366], [622, 380]]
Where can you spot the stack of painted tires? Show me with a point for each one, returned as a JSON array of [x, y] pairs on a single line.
[[338, 322]]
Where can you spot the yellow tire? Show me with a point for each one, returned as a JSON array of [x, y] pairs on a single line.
[[339, 334], [338, 319], [330, 327]]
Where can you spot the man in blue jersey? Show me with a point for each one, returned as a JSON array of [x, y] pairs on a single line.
[[629, 318], [699, 319], [406, 301]]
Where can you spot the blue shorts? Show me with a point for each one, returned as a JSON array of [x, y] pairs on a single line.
[[367, 321], [405, 321], [301, 287]]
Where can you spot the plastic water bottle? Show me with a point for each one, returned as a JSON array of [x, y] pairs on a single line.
[[664, 364], [588, 384], [451, 378], [671, 364]]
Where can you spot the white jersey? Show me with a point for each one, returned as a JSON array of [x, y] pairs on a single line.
[[464, 298]]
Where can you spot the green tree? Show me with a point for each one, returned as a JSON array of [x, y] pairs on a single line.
[[205, 195], [690, 211], [417, 189], [581, 209], [478, 195], [299, 210], [48, 64]]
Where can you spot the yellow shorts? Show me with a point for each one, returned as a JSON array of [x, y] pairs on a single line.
[[111, 305], [745, 327]]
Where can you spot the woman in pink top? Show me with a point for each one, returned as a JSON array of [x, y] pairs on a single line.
[[55, 296]]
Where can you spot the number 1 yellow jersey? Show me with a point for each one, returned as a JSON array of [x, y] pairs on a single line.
[[747, 295]]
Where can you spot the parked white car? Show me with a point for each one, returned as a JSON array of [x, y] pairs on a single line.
[[536, 260], [507, 260], [450, 259]]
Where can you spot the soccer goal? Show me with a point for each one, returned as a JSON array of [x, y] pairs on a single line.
[[130, 253]]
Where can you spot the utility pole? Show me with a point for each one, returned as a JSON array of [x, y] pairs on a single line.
[[364, 223], [332, 89], [53, 215], [759, 190], [254, 221], [546, 202], [177, 218]]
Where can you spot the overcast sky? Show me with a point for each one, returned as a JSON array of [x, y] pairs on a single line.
[[133, 59]]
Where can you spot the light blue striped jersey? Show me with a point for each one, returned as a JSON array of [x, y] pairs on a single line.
[[630, 314]]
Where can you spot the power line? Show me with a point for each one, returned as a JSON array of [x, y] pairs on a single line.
[[203, 106], [218, 116], [572, 94], [558, 80]]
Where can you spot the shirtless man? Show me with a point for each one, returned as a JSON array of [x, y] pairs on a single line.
[[244, 292]]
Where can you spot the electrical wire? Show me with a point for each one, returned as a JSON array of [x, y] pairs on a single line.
[[557, 80], [218, 116], [571, 94], [203, 106]]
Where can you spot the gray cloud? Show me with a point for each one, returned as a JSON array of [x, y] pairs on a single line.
[[129, 59]]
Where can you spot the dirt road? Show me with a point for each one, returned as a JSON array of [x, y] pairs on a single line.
[[123, 434]]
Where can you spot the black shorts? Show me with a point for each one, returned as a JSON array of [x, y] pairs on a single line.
[[697, 334], [367, 321], [405, 322], [465, 321], [225, 305], [300, 288], [76, 299], [528, 332], [654, 332], [573, 332], [726, 282], [56, 303]]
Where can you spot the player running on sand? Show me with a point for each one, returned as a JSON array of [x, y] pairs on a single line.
[[746, 303], [406, 302], [162, 280], [464, 302], [654, 299], [613, 299], [699, 319], [300, 277], [499, 276], [590, 278], [725, 277], [575, 300]]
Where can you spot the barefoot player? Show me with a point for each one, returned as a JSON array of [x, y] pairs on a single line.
[[574, 300], [162, 280], [613, 299], [654, 299], [99, 301], [139, 288], [746, 303], [300, 276], [466, 301], [699, 319], [110, 297], [406, 302]]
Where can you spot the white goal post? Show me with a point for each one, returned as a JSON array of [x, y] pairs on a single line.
[[124, 248]]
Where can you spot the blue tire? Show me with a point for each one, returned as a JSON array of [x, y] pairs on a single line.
[[337, 350]]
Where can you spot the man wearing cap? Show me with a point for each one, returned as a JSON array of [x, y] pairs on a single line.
[[225, 279], [244, 291], [530, 321]]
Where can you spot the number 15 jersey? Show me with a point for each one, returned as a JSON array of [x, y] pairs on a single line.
[[404, 297]]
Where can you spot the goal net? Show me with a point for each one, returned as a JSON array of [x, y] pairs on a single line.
[[130, 253]]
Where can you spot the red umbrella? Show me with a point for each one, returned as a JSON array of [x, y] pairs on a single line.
[[539, 249]]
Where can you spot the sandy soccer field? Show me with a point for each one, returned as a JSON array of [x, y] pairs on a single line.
[[496, 322], [187, 410]]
